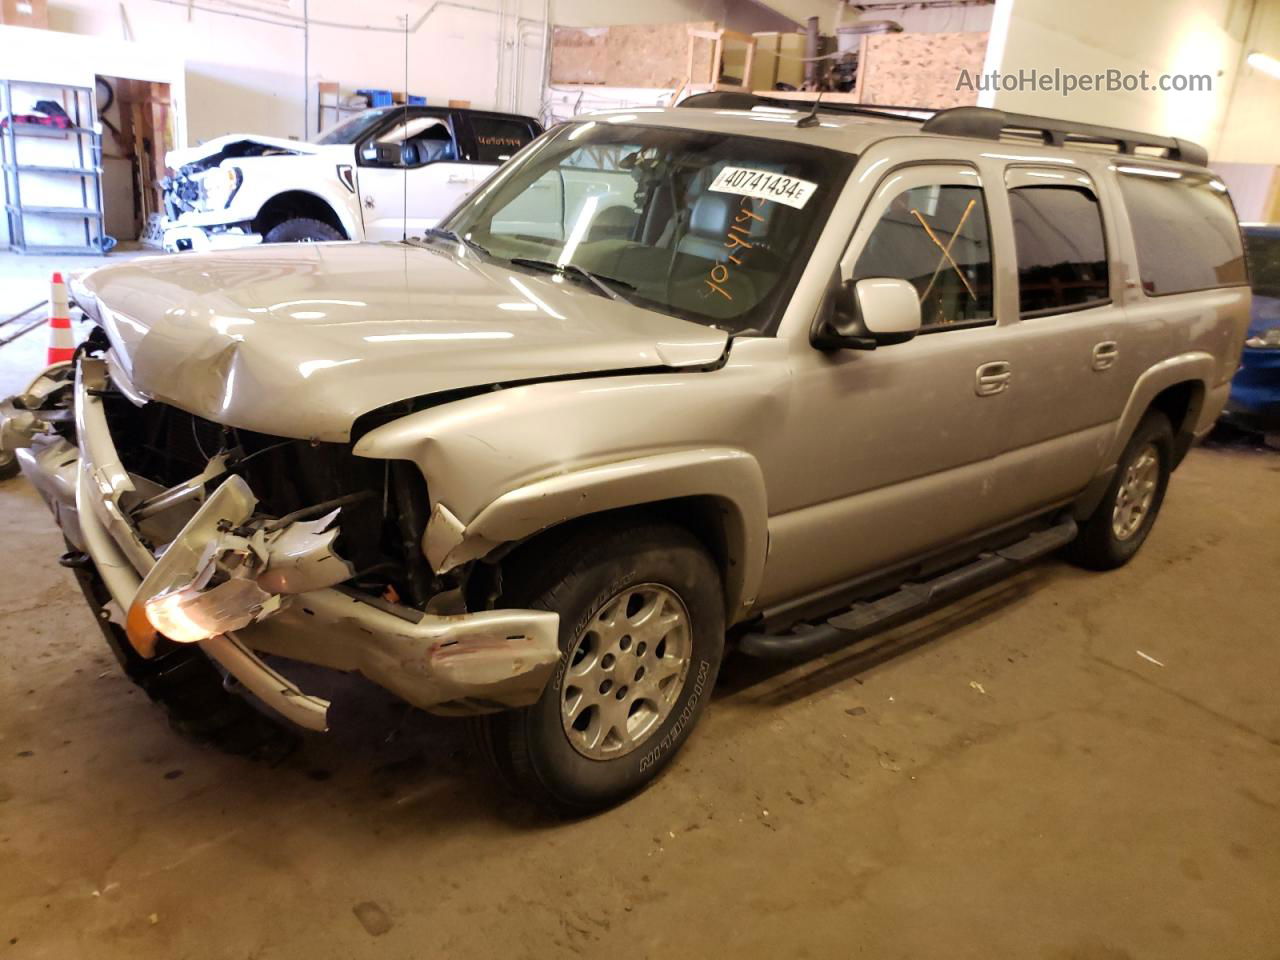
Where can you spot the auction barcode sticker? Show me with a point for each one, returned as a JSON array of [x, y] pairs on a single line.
[[764, 185]]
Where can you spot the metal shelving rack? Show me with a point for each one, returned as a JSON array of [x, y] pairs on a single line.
[[81, 108]]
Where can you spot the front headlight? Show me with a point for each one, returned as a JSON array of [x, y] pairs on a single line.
[[220, 186], [1267, 339]]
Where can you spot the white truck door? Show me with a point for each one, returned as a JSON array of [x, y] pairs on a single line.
[[410, 176]]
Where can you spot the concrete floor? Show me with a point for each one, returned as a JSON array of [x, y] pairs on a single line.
[[1011, 777]]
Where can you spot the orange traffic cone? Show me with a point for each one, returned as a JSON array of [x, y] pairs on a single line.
[[62, 346]]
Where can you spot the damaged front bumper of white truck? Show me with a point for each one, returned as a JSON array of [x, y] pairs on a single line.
[[202, 560]]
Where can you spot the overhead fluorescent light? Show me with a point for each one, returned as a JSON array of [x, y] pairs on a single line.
[[1268, 65]]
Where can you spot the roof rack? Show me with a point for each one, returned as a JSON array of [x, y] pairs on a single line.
[[982, 123], [742, 100]]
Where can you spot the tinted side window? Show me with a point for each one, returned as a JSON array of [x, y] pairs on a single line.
[[1185, 231], [936, 237], [498, 138], [1062, 256]]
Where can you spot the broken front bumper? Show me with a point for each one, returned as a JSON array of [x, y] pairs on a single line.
[[466, 663], [181, 238]]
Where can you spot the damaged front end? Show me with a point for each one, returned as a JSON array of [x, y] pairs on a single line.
[[248, 544]]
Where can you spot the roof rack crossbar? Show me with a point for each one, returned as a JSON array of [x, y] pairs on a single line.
[[984, 123]]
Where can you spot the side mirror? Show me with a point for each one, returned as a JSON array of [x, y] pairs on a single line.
[[866, 314], [387, 154], [890, 309]]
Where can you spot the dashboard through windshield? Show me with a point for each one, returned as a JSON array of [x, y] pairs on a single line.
[[707, 227]]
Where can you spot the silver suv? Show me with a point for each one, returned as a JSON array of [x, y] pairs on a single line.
[[669, 375]]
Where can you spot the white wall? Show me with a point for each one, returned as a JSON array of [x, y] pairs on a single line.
[[1249, 134], [244, 61], [61, 58], [1092, 36], [1250, 185]]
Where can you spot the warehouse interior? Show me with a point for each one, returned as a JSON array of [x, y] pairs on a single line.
[[978, 745]]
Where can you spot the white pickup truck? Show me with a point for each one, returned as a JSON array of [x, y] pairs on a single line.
[[379, 175]]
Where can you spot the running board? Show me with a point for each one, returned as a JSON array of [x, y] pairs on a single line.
[[906, 602]]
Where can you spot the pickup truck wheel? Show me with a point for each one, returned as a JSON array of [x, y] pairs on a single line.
[[8, 465], [1120, 524], [641, 634], [301, 230]]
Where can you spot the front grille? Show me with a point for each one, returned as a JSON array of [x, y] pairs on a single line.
[[379, 535]]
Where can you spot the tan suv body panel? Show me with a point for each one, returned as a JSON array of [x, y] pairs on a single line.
[[868, 458]]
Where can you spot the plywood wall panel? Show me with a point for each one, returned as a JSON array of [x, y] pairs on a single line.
[[579, 55], [638, 55], [919, 69]]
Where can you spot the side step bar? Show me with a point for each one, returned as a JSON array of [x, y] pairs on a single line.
[[907, 601]]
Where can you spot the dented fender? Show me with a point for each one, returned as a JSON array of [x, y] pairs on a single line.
[[732, 478], [503, 465]]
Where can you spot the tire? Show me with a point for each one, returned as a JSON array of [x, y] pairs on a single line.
[[1120, 524], [302, 230], [8, 465], [628, 572], [184, 682]]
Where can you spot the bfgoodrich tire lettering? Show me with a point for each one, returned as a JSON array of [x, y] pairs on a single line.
[[578, 577]]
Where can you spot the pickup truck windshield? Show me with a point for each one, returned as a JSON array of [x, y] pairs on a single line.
[[699, 225], [353, 128]]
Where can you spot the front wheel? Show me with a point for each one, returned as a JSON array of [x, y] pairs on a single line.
[[8, 465], [641, 636], [301, 230], [1120, 524]]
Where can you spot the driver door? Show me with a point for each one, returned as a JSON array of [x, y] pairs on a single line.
[[892, 450], [410, 176]]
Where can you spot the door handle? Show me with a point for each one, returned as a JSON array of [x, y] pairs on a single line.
[[993, 378], [454, 178], [1105, 355]]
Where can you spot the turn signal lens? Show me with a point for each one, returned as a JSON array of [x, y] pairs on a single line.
[[142, 635], [188, 615]]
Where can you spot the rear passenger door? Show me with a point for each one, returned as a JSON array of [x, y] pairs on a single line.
[[1071, 356]]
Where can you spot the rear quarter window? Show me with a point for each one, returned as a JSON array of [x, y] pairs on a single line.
[[1184, 229]]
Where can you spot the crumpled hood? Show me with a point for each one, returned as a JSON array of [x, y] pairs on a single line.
[[298, 340], [185, 155]]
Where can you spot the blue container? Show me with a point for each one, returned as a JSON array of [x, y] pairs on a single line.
[[377, 98], [417, 101]]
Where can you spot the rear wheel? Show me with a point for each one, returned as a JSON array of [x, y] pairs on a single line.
[[1120, 524], [641, 637], [8, 464], [302, 230]]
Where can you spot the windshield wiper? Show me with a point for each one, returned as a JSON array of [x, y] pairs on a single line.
[[443, 234], [604, 284]]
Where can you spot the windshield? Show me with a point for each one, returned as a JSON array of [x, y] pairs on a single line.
[[702, 226], [353, 128], [1263, 250]]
